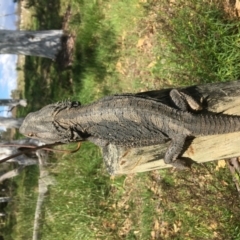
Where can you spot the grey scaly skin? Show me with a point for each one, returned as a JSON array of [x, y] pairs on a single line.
[[128, 120]]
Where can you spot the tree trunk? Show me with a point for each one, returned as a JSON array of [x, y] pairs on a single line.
[[8, 149], [11, 122], [13, 102], [35, 43], [219, 98]]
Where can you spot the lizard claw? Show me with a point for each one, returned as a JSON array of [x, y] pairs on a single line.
[[182, 163]]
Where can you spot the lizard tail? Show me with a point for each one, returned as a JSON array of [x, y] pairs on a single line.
[[213, 124]]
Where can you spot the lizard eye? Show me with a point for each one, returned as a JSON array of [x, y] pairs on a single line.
[[30, 134]]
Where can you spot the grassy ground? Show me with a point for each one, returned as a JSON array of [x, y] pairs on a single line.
[[131, 46]]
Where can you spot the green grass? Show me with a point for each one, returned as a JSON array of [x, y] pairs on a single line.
[[130, 46], [201, 207], [20, 211], [96, 206], [204, 43], [68, 204]]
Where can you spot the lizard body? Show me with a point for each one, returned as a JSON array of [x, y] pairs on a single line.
[[128, 120]]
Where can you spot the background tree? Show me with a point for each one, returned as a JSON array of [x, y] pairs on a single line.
[[10, 122], [35, 43]]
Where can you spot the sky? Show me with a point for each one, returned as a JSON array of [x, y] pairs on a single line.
[[8, 73]]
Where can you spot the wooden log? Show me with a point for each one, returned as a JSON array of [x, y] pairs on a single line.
[[217, 98]]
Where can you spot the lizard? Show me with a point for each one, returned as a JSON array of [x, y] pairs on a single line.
[[129, 120]]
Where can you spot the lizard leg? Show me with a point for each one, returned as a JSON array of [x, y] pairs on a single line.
[[184, 101], [174, 151]]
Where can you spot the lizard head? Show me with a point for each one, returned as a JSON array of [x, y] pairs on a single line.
[[38, 125], [43, 126]]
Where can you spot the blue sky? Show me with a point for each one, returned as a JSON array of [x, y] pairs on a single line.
[[8, 73]]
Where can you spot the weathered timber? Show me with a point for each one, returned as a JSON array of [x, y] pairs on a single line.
[[218, 97]]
